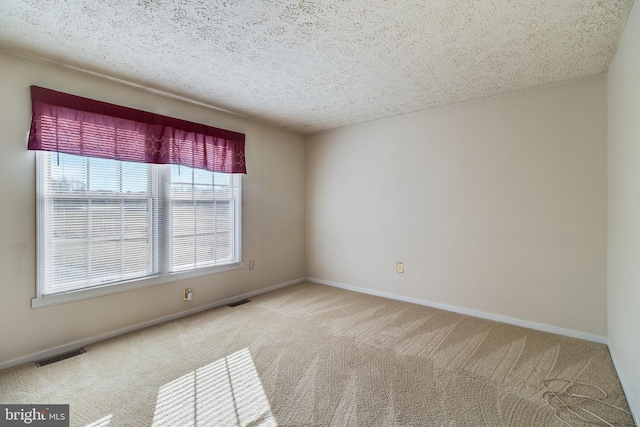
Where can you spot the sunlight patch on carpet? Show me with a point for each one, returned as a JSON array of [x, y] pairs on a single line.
[[102, 422], [226, 392]]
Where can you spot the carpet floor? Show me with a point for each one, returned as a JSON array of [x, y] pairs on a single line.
[[313, 355]]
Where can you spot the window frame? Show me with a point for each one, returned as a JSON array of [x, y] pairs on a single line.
[[162, 277]]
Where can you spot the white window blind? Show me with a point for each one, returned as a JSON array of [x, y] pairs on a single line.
[[106, 222], [203, 216]]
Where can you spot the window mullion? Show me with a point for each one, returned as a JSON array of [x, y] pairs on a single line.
[[215, 216], [89, 221], [122, 206], [194, 205], [165, 204], [195, 221], [43, 175], [215, 232]]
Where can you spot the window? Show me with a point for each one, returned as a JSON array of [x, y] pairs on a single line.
[[109, 223], [128, 198], [203, 218]]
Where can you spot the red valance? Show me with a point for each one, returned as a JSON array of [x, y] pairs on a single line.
[[75, 125]]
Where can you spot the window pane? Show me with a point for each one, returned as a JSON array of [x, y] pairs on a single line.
[[98, 222], [69, 218], [225, 216], [224, 246], [104, 176], [68, 174], [205, 240], [135, 178], [136, 216], [203, 219], [222, 178], [203, 192], [105, 260], [106, 219], [201, 176]]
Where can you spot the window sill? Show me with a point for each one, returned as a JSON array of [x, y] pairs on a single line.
[[48, 300]]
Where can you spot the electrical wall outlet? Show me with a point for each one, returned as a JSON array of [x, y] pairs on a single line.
[[188, 294], [252, 264], [399, 267]]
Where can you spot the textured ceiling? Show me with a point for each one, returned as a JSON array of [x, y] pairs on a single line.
[[312, 65]]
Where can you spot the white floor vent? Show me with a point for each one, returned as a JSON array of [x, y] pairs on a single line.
[[60, 357]]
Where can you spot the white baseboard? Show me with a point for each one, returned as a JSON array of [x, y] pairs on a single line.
[[625, 388], [469, 312], [81, 343]]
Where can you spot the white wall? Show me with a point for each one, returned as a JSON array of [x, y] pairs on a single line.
[[273, 217], [497, 206], [624, 209]]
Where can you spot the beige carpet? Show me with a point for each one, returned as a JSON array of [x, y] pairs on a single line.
[[312, 355]]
